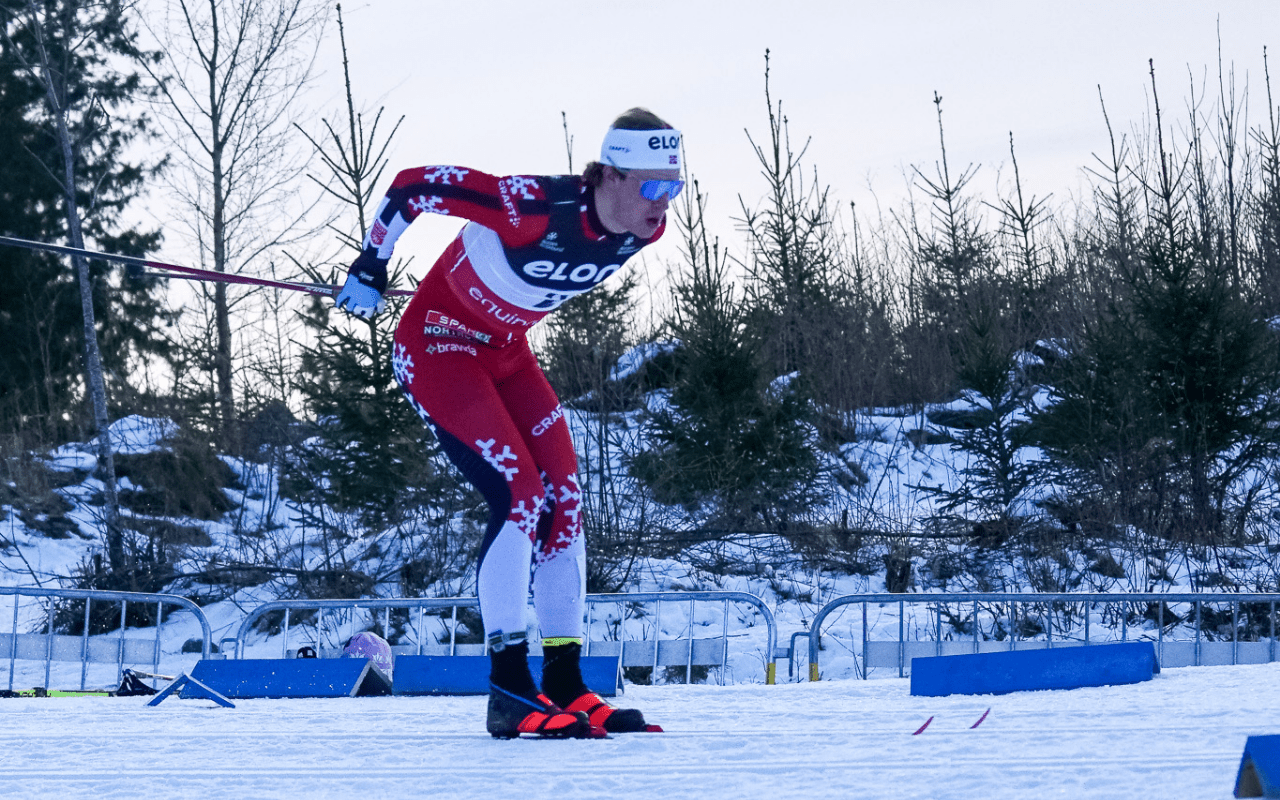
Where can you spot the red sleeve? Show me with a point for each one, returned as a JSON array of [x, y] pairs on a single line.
[[515, 206]]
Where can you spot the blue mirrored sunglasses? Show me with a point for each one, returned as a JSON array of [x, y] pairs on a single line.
[[656, 190]]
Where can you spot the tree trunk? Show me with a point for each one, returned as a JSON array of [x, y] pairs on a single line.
[[221, 308], [93, 357]]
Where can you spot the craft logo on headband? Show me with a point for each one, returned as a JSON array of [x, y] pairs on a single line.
[[653, 149]]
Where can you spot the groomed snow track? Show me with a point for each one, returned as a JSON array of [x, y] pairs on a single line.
[[1179, 736]]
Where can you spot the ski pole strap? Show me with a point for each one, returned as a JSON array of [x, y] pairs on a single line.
[[186, 273]]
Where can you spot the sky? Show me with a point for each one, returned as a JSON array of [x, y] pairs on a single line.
[[484, 84]]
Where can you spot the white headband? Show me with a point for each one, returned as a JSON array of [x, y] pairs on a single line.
[[659, 149]]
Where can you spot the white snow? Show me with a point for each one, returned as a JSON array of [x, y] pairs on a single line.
[[636, 357], [1178, 736]]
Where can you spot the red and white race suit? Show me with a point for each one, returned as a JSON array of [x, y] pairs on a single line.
[[462, 358]]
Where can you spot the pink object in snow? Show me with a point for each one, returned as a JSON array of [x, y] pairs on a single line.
[[371, 646]]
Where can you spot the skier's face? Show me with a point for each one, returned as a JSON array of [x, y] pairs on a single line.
[[623, 209]]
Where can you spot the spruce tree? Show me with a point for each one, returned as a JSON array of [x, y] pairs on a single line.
[[371, 454], [1169, 401], [42, 384], [66, 48], [808, 308], [1263, 216], [988, 303], [731, 440]]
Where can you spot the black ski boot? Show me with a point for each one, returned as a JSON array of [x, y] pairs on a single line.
[[515, 707], [562, 682]]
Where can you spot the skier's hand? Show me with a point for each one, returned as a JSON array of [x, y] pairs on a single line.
[[359, 298]]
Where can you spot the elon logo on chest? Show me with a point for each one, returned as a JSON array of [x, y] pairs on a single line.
[[565, 273]]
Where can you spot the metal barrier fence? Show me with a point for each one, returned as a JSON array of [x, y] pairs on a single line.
[[50, 647], [1047, 620], [1048, 608], [682, 651]]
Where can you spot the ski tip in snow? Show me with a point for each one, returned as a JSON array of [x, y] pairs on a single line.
[[920, 730]]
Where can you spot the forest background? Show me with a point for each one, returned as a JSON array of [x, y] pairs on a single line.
[[1103, 368]]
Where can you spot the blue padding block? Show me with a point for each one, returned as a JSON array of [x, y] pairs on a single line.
[[297, 677], [1027, 670], [1259, 773], [470, 674]]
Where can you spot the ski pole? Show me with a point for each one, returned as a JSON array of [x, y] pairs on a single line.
[[186, 273]]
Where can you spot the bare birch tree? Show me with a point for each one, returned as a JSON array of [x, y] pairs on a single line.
[[231, 84]]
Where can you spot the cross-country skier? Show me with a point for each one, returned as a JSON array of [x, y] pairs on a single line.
[[463, 360]]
